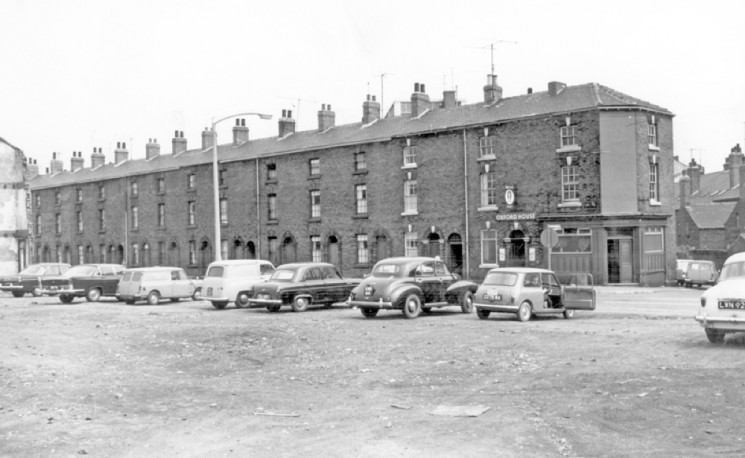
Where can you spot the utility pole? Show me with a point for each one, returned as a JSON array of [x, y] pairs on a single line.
[[382, 90]]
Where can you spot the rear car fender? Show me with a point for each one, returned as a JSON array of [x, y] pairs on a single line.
[[462, 285], [400, 293]]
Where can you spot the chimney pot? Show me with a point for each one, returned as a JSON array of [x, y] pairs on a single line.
[[530, 90], [289, 113]]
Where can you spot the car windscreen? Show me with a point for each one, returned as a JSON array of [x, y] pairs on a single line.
[[501, 279], [32, 270], [733, 270], [215, 271], [386, 270], [282, 275], [127, 276], [80, 271]]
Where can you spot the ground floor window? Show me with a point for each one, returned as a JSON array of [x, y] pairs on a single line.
[[411, 244], [489, 247], [574, 241], [654, 240]]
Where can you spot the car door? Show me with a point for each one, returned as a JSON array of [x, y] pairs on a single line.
[[313, 280], [334, 285], [444, 280], [424, 277], [579, 293], [552, 289], [532, 289], [108, 280], [182, 286]]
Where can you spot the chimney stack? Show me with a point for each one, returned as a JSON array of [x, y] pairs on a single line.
[[685, 190], [120, 153], [694, 171], [742, 180], [492, 91], [370, 110], [32, 169], [419, 100], [286, 124], [326, 118], [555, 88], [76, 161], [152, 149], [208, 138], [240, 132], [97, 158], [178, 143], [448, 99], [55, 166], [735, 161]]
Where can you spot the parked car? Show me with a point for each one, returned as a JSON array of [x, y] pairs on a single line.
[[527, 291], [681, 266], [29, 279], [300, 285], [412, 285], [155, 283], [723, 305], [700, 273], [231, 280], [91, 281]]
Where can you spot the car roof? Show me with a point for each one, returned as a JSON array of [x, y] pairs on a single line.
[[152, 269], [98, 265], [737, 257], [407, 260], [300, 265], [234, 262], [524, 270]]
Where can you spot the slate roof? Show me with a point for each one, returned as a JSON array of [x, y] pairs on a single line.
[[711, 216], [583, 97]]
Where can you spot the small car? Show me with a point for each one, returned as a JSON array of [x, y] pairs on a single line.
[[527, 291], [91, 281], [231, 280], [700, 273], [723, 305], [29, 279], [681, 266], [412, 285], [155, 283], [300, 285]]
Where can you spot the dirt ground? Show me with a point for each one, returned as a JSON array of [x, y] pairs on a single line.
[[111, 380]]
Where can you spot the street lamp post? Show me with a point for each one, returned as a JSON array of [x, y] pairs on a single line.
[[215, 185]]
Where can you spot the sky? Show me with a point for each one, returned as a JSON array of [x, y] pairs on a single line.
[[79, 74]]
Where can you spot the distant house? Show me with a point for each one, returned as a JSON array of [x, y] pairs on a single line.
[[13, 216], [711, 212]]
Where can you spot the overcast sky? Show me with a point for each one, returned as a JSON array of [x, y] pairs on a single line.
[[78, 74]]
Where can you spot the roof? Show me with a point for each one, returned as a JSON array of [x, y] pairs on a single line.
[[151, 269], [711, 216], [590, 96], [301, 265], [520, 270], [236, 262]]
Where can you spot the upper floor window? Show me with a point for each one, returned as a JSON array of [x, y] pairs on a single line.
[[102, 192], [191, 219], [191, 181], [570, 183], [37, 200], [57, 197], [101, 219], [57, 223], [410, 200], [271, 172], [411, 244], [37, 226], [652, 134], [135, 217], [161, 215], [315, 248], [161, 185], [79, 220], [221, 177], [361, 198], [410, 156], [78, 195], [271, 205], [315, 204], [360, 161], [315, 166], [654, 182], [486, 146], [489, 189], [363, 251], [224, 211], [568, 137], [133, 187]]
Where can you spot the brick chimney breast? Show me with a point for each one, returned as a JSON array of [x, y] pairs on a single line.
[[419, 100], [97, 158], [121, 154], [694, 171], [492, 91], [370, 110], [240, 132], [555, 88], [208, 138], [742, 180], [735, 161], [178, 143], [326, 118], [286, 124], [55, 166], [76, 161], [152, 149], [32, 169], [448, 99], [685, 190]]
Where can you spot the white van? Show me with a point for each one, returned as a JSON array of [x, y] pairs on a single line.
[[155, 283], [230, 281]]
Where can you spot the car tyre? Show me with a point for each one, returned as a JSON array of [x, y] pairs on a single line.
[[466, 302], [153, 298], [524, 311], [17, 293], [714, 335], [219, 305], [568, 314], [36, 292], [273, 308], [66, 298], [300, 304], [175, 299], [369, 313], [129, 301], [93, 295], [197, 294], [241, 300], [483, 314], [412, 306]]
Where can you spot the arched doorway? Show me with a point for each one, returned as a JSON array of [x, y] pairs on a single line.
[[66, 255], [173, 255], [288, 250], [205, 255], [250, 250], [238, 249], [433, 245], [334, 251], [516, 248], [455, 254], [382, 247], [119, 255]]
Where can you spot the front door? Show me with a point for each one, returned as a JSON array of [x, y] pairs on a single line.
[[620, 267]]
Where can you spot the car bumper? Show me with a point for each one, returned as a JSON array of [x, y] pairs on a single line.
[[370, 304], [497, 307], [11, 288], [56, 292], [214, 299], [257, 303], [721, 322]]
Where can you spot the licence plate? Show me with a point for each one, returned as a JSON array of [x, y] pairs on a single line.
[[368, 290], [54, 288], [492, 296], [263, 296], [209, 292], [732, 304]]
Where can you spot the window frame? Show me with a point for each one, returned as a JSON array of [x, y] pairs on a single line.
[[271, 207], [487, 145], [411, 244], [316, 253], [489, 244], [489, 194], [161, 215], [314, 167], [315, 203], [654, 183], [363, 249], [411, 206], [570, 184], [360, 192], [360, 161], [568, 136]]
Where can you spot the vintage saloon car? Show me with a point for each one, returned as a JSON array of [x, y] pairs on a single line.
[[412, 285], [300, 285], [723, 305], [29, 280], [85, 280], [527, 291]]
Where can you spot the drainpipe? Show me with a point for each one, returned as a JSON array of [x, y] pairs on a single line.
[[467, 262], [258, 214]]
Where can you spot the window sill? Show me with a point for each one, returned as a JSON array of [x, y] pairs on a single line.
[[360, 216], [271, 181], [409, 166], [360, 172], [654, 203], [572, 204], [191, 226], [489, 208], [314, 177], [272, 222], [569, 149], [487, 157], [410, 213], [314, 220], [654, 147]]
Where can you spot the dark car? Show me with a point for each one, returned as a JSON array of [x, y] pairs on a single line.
[[412, 285], [86, 280], [29, 279], [300, 285]]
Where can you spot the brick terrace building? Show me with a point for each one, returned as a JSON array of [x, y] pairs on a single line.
[[13, 209], [475, 184]]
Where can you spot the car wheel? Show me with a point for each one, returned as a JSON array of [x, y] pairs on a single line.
[[17, 293], [524, 312], [93, 295], [153, 298], [65, 298], [483, 314], [175, 299], [36, 292], [129, 301], [714, 335], [300, 304], [466, 302], [219, 305], [197, 294], [369, 313], [568, 314], [412, 306], [242, 300], [273, 308]]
